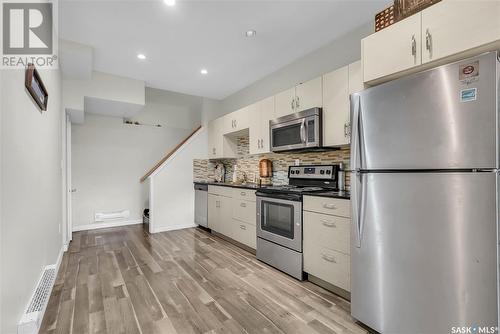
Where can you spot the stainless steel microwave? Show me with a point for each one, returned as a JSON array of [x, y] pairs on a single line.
[[296, 131]]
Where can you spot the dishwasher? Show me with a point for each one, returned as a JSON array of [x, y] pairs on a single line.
[[201, 204]]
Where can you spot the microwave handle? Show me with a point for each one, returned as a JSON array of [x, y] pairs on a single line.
[[303, 133]]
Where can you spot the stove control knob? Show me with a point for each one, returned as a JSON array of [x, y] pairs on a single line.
[[328, 172], [297, 172], [322, 172], [292, 172]]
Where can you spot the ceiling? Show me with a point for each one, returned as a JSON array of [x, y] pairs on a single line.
[[181, 40]]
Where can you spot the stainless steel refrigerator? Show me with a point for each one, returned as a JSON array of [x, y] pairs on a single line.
[[424, 192]]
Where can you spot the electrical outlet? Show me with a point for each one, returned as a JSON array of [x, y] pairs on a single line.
[[297, 162]]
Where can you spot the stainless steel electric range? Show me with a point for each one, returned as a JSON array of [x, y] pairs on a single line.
[[279, 215]]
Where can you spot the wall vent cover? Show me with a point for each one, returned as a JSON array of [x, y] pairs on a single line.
[[32, 318]]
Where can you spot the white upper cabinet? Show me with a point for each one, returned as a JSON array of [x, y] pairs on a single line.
[[450, 27], [337, 87], [261, 113], [446, 31], [215, 138], [309, 94], [393, 49], [237, 120], [285, 102], [301, 97], [355, 77], [336, 107]]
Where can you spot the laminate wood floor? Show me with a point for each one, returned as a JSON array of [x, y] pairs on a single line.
[[124, 280]]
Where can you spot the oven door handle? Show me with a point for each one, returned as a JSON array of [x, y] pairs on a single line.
[[303, 134]]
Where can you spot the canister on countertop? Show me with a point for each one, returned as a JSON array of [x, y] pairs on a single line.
[[265, 171], [341, 176]]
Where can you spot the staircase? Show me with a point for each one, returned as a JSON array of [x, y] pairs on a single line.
[[169, 184]]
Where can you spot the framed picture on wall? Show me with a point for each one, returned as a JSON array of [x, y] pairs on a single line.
[[36, 88]]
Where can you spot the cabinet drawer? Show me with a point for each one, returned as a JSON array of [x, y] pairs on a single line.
[[219, 190], [244, 233], [244, 211], [329, 206], [328, 231], [328, 265], [243, 194]]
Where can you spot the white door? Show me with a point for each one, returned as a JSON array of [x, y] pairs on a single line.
[[336, 107], [267, 113], [212, 139], [450, 27], [393, 49], [309, 94], [255, 127], [285, 102], [68, 230], [355, 77]]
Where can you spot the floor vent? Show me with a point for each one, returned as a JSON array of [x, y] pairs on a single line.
[[32, 318]]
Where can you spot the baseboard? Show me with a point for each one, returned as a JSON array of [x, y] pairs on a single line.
[[106, 225], [329, 286], [63, 249], [173, 228]]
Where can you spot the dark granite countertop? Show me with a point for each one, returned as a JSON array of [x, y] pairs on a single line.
[[229, 184], [332, 194]]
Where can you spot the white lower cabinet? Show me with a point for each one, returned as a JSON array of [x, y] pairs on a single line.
[[232, 212], [220, 212], [244, 233], [326, 237]]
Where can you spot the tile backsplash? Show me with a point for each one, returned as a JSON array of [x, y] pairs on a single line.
[[204, 169]]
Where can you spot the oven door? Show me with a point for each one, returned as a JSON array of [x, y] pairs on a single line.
[[280, 221], [296, 134]]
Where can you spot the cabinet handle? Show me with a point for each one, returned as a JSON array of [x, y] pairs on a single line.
[[261, 143], [347, 129], [329, 206], [243, 227], [297, 103], [413, 46], [217, 204], [328, 223], [428, 42], [328, 258], [243, 205], [293, 104], [258, 143], [243, 193], [235, 123]]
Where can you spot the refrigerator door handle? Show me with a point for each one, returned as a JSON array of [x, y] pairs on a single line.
[[357, 199], [355, 133]]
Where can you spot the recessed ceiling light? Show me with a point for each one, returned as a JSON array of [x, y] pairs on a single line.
[[141, 56], [204, 71], [251, 33], [169, 2]]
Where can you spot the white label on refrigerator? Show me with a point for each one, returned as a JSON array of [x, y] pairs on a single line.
[[469, 94]]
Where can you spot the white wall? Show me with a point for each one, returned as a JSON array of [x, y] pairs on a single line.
[[340, 52], [108, 159], [170, 109], [30, 192], [172, 192], [103, 86]]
